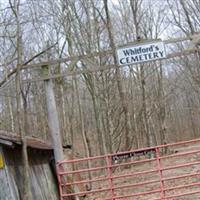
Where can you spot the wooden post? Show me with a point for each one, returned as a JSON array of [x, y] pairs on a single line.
[[53, 120]]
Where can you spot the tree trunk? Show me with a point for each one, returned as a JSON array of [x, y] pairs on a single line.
[[128, 128], [150, 136], [83, 132], [21, 116], [92, 90], [161, 107], [10, 108]]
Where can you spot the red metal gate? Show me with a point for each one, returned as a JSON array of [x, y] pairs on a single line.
[[169, 171]]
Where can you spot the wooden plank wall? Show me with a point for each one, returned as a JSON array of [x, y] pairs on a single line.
[[43, 183], [8, 188]]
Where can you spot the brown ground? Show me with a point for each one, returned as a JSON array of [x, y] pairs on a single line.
[[140, 167]]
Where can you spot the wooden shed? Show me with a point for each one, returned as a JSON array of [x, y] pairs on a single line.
[[42, 177]]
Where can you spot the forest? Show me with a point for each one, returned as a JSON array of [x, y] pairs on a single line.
[[102, 108]]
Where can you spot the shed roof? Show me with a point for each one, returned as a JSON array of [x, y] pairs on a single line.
[[9, 138]]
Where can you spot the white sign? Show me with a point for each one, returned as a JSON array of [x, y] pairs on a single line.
[[141, 53]]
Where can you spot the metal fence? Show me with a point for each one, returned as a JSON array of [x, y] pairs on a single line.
[[170, 171]]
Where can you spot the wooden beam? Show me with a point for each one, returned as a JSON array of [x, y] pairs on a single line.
[[101, 53], [72, 73], [181, 39], [106, 67], [86, 56], [70, 58], [24, 64]]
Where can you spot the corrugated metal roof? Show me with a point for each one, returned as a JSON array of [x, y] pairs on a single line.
[[32, 142]]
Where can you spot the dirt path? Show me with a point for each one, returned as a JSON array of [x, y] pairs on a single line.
[[142, 167]]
